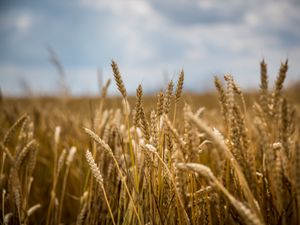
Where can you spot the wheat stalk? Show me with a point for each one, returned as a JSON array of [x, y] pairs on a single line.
[[106, 147], [248, 216], [220, 142]]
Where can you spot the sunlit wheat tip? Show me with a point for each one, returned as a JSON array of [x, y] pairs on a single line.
[[71, 155]]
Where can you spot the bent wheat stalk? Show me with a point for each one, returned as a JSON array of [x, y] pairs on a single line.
[[248, 216], [227, 153]]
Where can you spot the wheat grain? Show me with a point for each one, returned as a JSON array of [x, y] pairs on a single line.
[[263, 98], [222, 100], [160, 104], [94, 168], [179, 86], [278, 87], [167, 98], [14, 128], [118, 79], [138, 106]]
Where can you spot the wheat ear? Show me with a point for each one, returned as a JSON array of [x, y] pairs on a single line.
[[97, 175], [118, 79], [167, 98]]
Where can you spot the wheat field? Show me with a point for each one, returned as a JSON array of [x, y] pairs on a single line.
[[175, 158]]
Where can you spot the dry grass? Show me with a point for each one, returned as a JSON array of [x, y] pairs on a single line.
[[168, 160]]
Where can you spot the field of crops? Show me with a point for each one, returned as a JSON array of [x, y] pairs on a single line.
[[175, 158]]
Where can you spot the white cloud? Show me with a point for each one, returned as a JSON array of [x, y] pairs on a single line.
[[19, 20], [132, 21], [252, 19], [205, 4], [120, 7], [273, 15], [238, 47], [24, 22]]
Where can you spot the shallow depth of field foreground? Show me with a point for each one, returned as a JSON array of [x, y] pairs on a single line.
[[165, 159]]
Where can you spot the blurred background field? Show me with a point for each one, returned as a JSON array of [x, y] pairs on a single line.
[[74, 113], [54, 62]]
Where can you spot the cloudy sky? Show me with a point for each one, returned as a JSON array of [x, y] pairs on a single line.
[[150, 39]]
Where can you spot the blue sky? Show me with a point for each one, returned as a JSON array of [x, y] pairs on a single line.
[[151, 40]]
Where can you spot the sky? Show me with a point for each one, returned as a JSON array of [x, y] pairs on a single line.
[[151, 40]]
